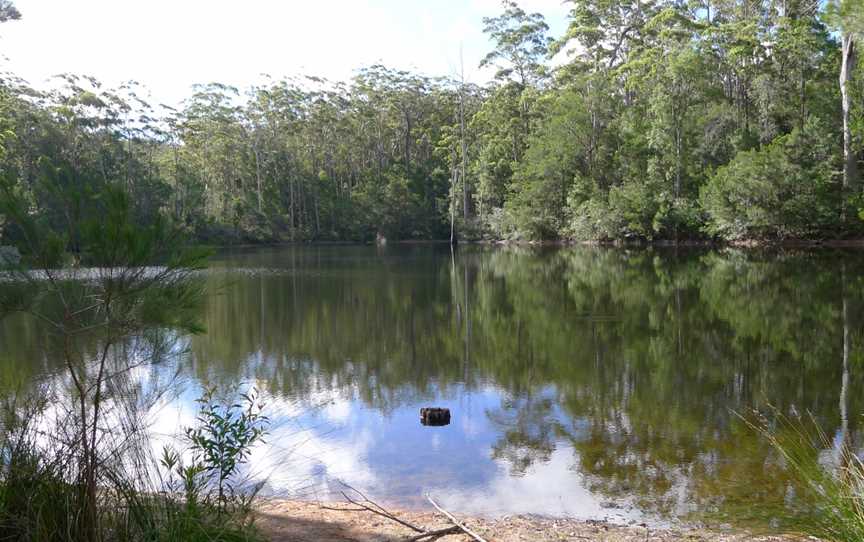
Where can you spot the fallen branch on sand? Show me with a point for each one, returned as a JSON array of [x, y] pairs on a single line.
[[435, 534], [368, 505], [376, 508], [455, 521]]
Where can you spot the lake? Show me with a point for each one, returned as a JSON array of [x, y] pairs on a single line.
[[600, 383]]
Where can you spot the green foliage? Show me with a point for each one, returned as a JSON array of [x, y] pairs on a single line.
[[97, 271], [784, 189], [538, 197], [616, 139], [221, 443], [521, 44], [39, 501], [202, 499]]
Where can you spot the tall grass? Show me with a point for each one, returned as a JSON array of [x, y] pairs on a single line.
[[828, 469], [193, 495]]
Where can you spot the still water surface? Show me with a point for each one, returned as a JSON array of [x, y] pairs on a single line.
[[589, 382]]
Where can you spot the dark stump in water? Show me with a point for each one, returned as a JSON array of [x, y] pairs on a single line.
[[435, 416]]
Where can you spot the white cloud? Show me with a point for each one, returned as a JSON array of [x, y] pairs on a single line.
[[542, 491], [338, 411]]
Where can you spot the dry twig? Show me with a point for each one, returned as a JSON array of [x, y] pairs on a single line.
[[368, 505], [376, 508], [455, 521], [453, 529]]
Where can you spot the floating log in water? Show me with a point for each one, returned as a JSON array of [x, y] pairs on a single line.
[[435, 416]]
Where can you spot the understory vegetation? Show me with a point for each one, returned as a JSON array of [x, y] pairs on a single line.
[[117, 290], [195, 494], [647, 120]]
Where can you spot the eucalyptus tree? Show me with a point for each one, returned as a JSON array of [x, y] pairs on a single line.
[[8, 11], [521, 44], [666, 78], [648, 101], [600, 37], [504, 121], [848, 17], [213, 133]]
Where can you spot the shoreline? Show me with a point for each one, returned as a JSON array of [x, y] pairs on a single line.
[[661, 243], [282, 520]]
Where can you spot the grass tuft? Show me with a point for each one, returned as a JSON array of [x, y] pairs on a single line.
[[828, 470]]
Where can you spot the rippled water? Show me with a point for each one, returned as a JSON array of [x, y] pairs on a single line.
[[591, 382]]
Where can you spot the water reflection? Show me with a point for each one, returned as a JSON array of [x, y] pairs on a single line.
[[589, 382]]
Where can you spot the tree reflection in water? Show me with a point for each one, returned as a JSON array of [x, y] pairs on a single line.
[[621, 370]]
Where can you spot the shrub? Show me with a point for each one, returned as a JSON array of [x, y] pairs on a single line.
[[784, 189], [633, 210], [201, 500], [222, 442]]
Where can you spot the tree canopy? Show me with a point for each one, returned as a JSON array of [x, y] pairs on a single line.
[[646, 120]]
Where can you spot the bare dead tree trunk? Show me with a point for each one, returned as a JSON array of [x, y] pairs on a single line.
[[462, 136], [850, 165], [453, 206]]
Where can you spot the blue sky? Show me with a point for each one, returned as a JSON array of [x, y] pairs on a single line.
[[168, 45]]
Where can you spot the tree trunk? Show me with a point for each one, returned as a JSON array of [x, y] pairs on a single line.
[[803, 96], [453, 206], [842, 444], [407, 144], [850, 164], [258, 177], [677, 159], [464, 153]]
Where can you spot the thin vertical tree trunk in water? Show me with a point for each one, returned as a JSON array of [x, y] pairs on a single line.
[[412, 337], [844, 386], [467, 357], [842, 444], [262, 317], [850, 164], [680, 338], [315, 197]]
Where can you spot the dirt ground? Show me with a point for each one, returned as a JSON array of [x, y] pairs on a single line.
[[292, 521]]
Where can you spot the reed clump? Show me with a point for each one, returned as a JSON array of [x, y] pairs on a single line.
[[828, 470]]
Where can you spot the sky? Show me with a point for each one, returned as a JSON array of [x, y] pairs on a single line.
[[169, 45]]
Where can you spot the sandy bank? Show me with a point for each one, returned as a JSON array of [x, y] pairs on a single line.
[[284, 521]]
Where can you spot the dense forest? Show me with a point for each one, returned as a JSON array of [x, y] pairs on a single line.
[[647, 120]]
